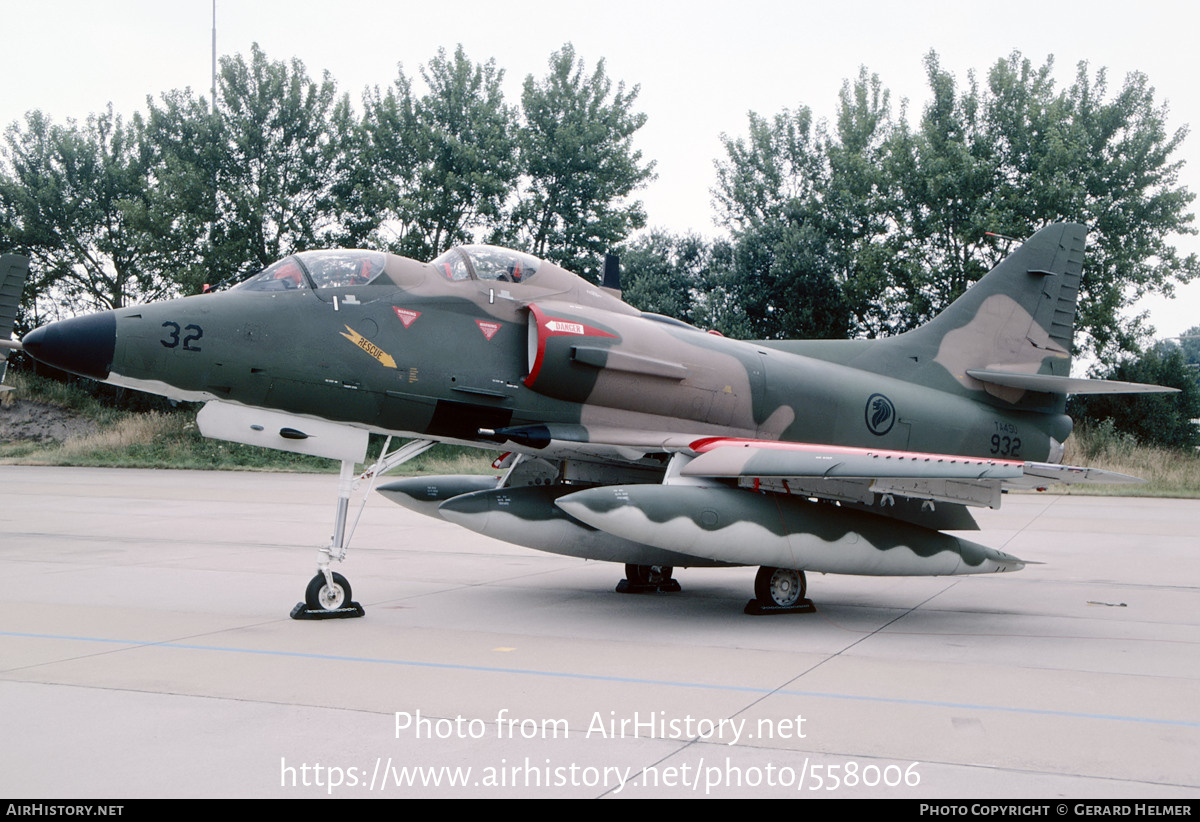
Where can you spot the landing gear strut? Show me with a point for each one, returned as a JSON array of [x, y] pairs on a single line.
[[780, 591], [648, 579], [328, 593]]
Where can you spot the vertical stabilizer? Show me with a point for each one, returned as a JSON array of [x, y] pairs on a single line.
[[13, 270], [1021, 314], [1019, 318]]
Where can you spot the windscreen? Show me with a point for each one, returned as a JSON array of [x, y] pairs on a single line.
[[318, 269]]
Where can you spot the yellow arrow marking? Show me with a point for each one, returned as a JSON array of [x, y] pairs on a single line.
[[385, 359]]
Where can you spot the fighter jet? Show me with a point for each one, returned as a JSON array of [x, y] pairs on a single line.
[[626, 436]]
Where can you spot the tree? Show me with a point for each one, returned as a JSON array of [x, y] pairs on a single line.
[[1158, 419], [783, 281], [264, 175], [1189, 345], [905, 209], [578, 164], [803, 208], [185, 142], [465, 150], [665, 274], [439, 167], [77, 202], [381, 194], [858, 220], [781, 163], [280, 137], [1042, 155], [941, 178]]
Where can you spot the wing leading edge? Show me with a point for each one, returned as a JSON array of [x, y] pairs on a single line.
[[858, 474]]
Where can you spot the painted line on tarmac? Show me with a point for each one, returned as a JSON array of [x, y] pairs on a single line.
[[133, 643]]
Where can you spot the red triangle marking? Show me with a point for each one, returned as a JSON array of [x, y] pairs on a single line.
[[406, 315]]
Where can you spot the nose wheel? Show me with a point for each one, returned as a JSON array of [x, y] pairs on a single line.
[[780, 591], [327, 598]]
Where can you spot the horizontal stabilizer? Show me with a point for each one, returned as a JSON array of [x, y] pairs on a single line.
[[1050, 384]]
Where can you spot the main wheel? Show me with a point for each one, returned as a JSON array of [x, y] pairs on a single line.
[[648, 574], [783, 587], [319, 596]]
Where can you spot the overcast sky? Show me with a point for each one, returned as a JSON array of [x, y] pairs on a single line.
[[701, 66]]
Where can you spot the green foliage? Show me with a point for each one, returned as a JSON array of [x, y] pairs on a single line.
[[664, 274], [1189, 346], [866, 225], [1156, 419], [578, 164], [281, 136], [903, 210], [115, 212], [76, 198], [186, 145], [465, 151], [436, 170], [782, 280]]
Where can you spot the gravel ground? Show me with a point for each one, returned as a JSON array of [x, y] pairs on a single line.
[[25, 420]]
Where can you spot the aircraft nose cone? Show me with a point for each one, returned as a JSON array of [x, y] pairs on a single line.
[[81, 345]]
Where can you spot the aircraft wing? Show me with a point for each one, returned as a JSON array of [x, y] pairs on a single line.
[[858, 474]]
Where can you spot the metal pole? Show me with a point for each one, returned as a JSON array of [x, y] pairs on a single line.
[[214, 58]]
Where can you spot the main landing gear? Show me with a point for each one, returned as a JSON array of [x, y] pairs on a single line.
[[648, 579], [780, 591], [328, 594]]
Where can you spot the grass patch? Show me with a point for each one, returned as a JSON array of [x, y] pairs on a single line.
[[1168, 472], [170, 439], [70, 396]]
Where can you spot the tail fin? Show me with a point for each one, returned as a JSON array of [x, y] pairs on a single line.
[[13, 270], [1009, 335], [1019, 316], [1013, 325]]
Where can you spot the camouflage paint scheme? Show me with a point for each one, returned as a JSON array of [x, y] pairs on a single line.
[[640, 439], [13, 271]]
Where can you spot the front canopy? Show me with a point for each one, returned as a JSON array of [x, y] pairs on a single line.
[[318, 269]]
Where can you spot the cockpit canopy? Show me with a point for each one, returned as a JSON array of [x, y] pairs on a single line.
[[348, 268], [318, 269], [486, 262]]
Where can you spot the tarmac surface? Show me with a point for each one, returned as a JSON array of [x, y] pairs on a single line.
[[146, 651]]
